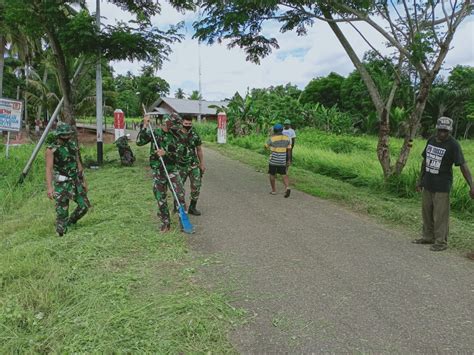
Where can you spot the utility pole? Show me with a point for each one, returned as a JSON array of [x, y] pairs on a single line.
[[199, 69], [98, 95]]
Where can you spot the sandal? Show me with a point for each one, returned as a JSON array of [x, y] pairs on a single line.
[[287, 193]]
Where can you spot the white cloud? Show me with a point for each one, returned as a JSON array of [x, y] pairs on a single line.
[[298, 60]]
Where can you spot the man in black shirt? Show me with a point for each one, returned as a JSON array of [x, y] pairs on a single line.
[[440, 153]]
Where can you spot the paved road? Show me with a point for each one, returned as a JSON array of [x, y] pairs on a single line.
[[316, 277]]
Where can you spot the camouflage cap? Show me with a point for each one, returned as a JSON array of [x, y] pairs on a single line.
[[176, 120], [64, 130], [287, 121]]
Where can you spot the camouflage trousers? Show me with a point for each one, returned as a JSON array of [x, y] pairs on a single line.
[[160, 187], [195, 180], [63, 193]]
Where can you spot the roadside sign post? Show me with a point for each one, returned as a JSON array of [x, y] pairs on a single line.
[[119, 123], [221, 128], [10, 118]]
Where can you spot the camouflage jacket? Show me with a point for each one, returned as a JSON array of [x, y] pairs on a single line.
[[65, 158], [122, 142], [167, 141], [190, 141]]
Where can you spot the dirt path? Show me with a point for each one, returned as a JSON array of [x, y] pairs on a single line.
[[315, 277]]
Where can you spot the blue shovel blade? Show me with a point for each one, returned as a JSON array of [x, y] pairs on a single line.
[[185, 223]]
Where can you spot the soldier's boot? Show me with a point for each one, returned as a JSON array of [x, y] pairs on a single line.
[[61, 227], [192, 208], [78, 213]]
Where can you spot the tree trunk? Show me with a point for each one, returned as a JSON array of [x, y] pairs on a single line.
[[414, 122], [63, 76], [2, 62], [383, 150], [369, 83], [466, 132], [383, 109], [44, 99]]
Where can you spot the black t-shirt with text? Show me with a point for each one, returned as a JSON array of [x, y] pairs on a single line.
[[439, 159]]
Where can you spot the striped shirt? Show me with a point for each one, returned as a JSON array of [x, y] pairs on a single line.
[[278, 145]]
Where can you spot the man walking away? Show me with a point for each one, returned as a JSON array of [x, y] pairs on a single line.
[[440, 153], [280, 158]]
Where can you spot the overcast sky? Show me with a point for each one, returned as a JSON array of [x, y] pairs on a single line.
[[298, 60]]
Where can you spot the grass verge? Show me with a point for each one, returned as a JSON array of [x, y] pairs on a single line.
[[113, 284]]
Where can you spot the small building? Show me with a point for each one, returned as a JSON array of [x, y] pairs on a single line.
[[186, 108]]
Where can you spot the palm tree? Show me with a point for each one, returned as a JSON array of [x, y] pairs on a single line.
[[195, 95], [179, 94]]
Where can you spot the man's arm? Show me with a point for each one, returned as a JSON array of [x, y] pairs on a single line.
[[200, 155], [81, 175], [144, 137], [468, 177], [49, 172], [419, 183]]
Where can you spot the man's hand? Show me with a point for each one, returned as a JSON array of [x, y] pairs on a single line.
[[202, 168], [146, 121], [471, 193], [84, 185], [418, 187], [160, 152], [50, 193], [288, 163]]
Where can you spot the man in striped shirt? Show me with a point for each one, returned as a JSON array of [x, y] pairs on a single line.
[[280, 157]]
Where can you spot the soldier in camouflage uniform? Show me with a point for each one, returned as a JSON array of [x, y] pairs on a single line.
[[192, 163], [169, 150], [65, 178], [125, 152]]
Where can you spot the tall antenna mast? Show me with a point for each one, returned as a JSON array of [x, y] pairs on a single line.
[[199, 66], [98, 93]]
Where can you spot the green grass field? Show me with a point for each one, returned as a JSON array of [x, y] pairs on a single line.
[[113, 284]]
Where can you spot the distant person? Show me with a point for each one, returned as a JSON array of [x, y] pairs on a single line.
[[280, 158], [440, 153], [125, 152], [289, 132], [65, 179]]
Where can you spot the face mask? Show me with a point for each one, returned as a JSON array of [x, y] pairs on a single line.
[[187, 128]]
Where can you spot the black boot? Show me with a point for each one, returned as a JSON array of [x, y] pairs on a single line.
[[192, 209]]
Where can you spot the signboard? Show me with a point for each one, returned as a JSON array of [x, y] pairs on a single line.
[[221, 128], [10, 115], [119, 123]]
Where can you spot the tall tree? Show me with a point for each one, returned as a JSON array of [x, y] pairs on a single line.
[[323, 90], [72, 33], [419, 33]]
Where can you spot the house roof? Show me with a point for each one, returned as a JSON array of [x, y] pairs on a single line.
[[185, 106]]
